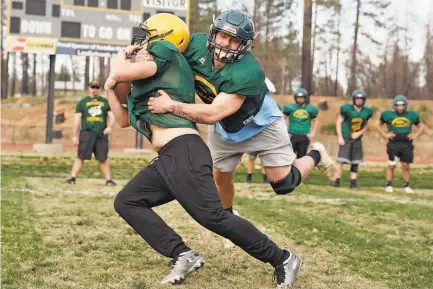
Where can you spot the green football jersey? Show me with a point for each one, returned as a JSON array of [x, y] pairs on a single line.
[[354, 120], [174, 77], [244, 77], [400, 123], [94, 114], [300, 117]]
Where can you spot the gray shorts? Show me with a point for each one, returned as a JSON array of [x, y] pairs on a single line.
[[351, 152], [272, 145]]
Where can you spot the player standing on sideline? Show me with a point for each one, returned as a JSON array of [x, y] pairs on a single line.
[[351, 126], [243, 115], [400, 144], [302, 116], [183, 169], [96, 119]]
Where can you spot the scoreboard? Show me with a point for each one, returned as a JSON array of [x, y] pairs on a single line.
[[82, 27]]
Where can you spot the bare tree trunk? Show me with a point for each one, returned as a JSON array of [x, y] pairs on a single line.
[[14, 74], [25, 78], [34, 76], [337, 56], [86, 72], [313, 50], [101, 71], [4, 75], [352, 83], [307, 69]]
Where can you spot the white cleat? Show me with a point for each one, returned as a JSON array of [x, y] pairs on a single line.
[[389, 189], [409, 190], [227, 243], [326, 164], [182, 266]]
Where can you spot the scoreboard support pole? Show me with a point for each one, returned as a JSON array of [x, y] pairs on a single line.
[[50, 100], [139, 141]]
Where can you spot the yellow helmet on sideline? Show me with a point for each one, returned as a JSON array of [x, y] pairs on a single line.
[[164, 26]]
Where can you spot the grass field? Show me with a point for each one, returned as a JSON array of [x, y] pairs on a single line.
[[69, 236]]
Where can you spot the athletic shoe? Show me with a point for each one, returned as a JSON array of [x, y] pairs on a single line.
[[110, 183], [285, 273], [389, 189], [183, 265], [326, 164], [70, 181], [409, 190]]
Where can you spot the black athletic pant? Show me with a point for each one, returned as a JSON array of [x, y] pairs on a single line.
[[183, 171], [300, 144]]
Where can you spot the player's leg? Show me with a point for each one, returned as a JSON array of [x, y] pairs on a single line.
[[392, 162], [343, 157], [265, 178], [226, 188], [134, 204], [225, 156], [406, 158], [357, 157], [250, 169], [295, 144], [303, 147], [197, 193], [283, 171], [86, 142], [101, 154]]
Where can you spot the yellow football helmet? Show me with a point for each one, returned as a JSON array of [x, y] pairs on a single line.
[[163, 26]]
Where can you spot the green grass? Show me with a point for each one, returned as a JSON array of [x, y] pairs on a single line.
[[61, 236]]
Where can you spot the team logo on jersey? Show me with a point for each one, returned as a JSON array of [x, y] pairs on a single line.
[[202, 60], [356, 124], [400, 122], [205, 90], [301, 113], [95, 111]]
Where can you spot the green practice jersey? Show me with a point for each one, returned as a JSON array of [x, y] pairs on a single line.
[[93, 114], [244, 77], [354, 120], [174, 77], [400, 123], [300, 117]]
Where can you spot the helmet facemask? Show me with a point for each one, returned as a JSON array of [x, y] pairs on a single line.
[[224, 54], [149, 35]]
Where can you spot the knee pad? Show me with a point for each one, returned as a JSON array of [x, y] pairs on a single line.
[[354, 168], [288, 183]]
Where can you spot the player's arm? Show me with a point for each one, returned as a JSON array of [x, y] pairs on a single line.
[[118, 111], [314, 126], [420, 126], [338, 128], [361, 132], [124, 71], [222, 106], [110, 122], [76, 127], [379, 127]]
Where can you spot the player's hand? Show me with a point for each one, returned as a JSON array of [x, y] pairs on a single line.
[[107, 130], [110, 83], [341, 141], [75, 140], [310, 136], [411, 136], [390, 135], [161, 104], [130, 49], [355, 135], [143, 55]]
